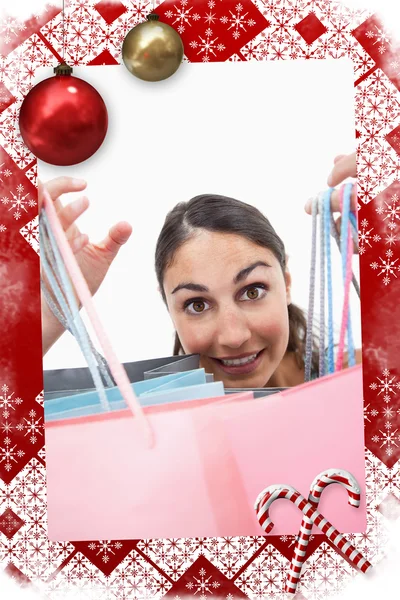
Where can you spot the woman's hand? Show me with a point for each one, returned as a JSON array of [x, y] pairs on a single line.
[[94, 259], [345, 166]]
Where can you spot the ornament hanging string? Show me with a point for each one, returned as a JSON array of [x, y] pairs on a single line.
[[63, 31]]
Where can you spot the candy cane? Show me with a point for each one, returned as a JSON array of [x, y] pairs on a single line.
[[318, 485], [272, 493]]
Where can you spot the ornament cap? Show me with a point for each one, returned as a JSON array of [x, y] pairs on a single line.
[[153, 17], [63, 69]]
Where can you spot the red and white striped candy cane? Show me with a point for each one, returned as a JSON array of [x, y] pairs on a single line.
[[272, 493], [325, 478]]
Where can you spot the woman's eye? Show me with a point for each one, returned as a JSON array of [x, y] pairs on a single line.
[[196, 307], [253, 293]]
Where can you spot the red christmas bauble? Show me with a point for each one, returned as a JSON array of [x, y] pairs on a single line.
[[63, 120]]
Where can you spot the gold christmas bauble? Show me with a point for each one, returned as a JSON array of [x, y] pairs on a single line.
[[152, 50]]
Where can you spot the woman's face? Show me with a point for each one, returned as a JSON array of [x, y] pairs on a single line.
[[228, 300]]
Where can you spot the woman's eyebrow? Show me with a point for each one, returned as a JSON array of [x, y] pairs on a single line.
[[246, 272], [197, 287], [193, 287]]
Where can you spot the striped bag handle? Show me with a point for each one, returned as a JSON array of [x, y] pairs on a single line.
[[60, 284], [65, 256], [64, 308], [311, 292], [346, 246], [321, 206]]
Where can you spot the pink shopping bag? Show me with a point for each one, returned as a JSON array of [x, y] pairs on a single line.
[[212, 459], [292, 437], [103, 482]]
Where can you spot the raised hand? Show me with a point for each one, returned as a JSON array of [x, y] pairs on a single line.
[[345, 166], [94, 259]]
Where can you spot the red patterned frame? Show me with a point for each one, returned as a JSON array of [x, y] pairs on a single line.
[[211, 30]]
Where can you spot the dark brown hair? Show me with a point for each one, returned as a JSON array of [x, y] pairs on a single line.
[[227, 215]]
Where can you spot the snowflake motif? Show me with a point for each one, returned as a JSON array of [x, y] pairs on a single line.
[[207, 46], [324, 573], [3, 228], [10, 455], [388, 412], [10, 27], [387, 268], [30, 232], [7, 400], [389, 440], [10, 523], [237, 21], [4, 173], [391, 238], [203, 585], [382, 38], [182, 16], [139, 9], [210, 18], [391, 210], [264, 577], [386, 385], [369, 412], [18, 202], [32, 427], [365, 236], [105, 548], [40, 398], [7, 428]]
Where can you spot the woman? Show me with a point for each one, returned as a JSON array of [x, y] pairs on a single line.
[[222, 272]]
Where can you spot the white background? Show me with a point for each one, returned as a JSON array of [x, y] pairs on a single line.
[[263, 132], [384, 578]]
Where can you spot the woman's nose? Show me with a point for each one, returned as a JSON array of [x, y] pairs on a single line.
[[233, 329]]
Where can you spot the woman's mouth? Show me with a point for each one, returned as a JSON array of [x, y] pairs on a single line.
[[240, 365]]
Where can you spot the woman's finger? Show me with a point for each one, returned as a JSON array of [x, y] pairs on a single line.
[[337, 158], [64, 185], [118, 235], [70, 213], [344, 168], [335, 199]]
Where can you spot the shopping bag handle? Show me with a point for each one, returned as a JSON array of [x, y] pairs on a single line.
[[321, 206], [85, 298], [68, 313]]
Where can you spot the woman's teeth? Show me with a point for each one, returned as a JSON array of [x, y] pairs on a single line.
[[239, 361]]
